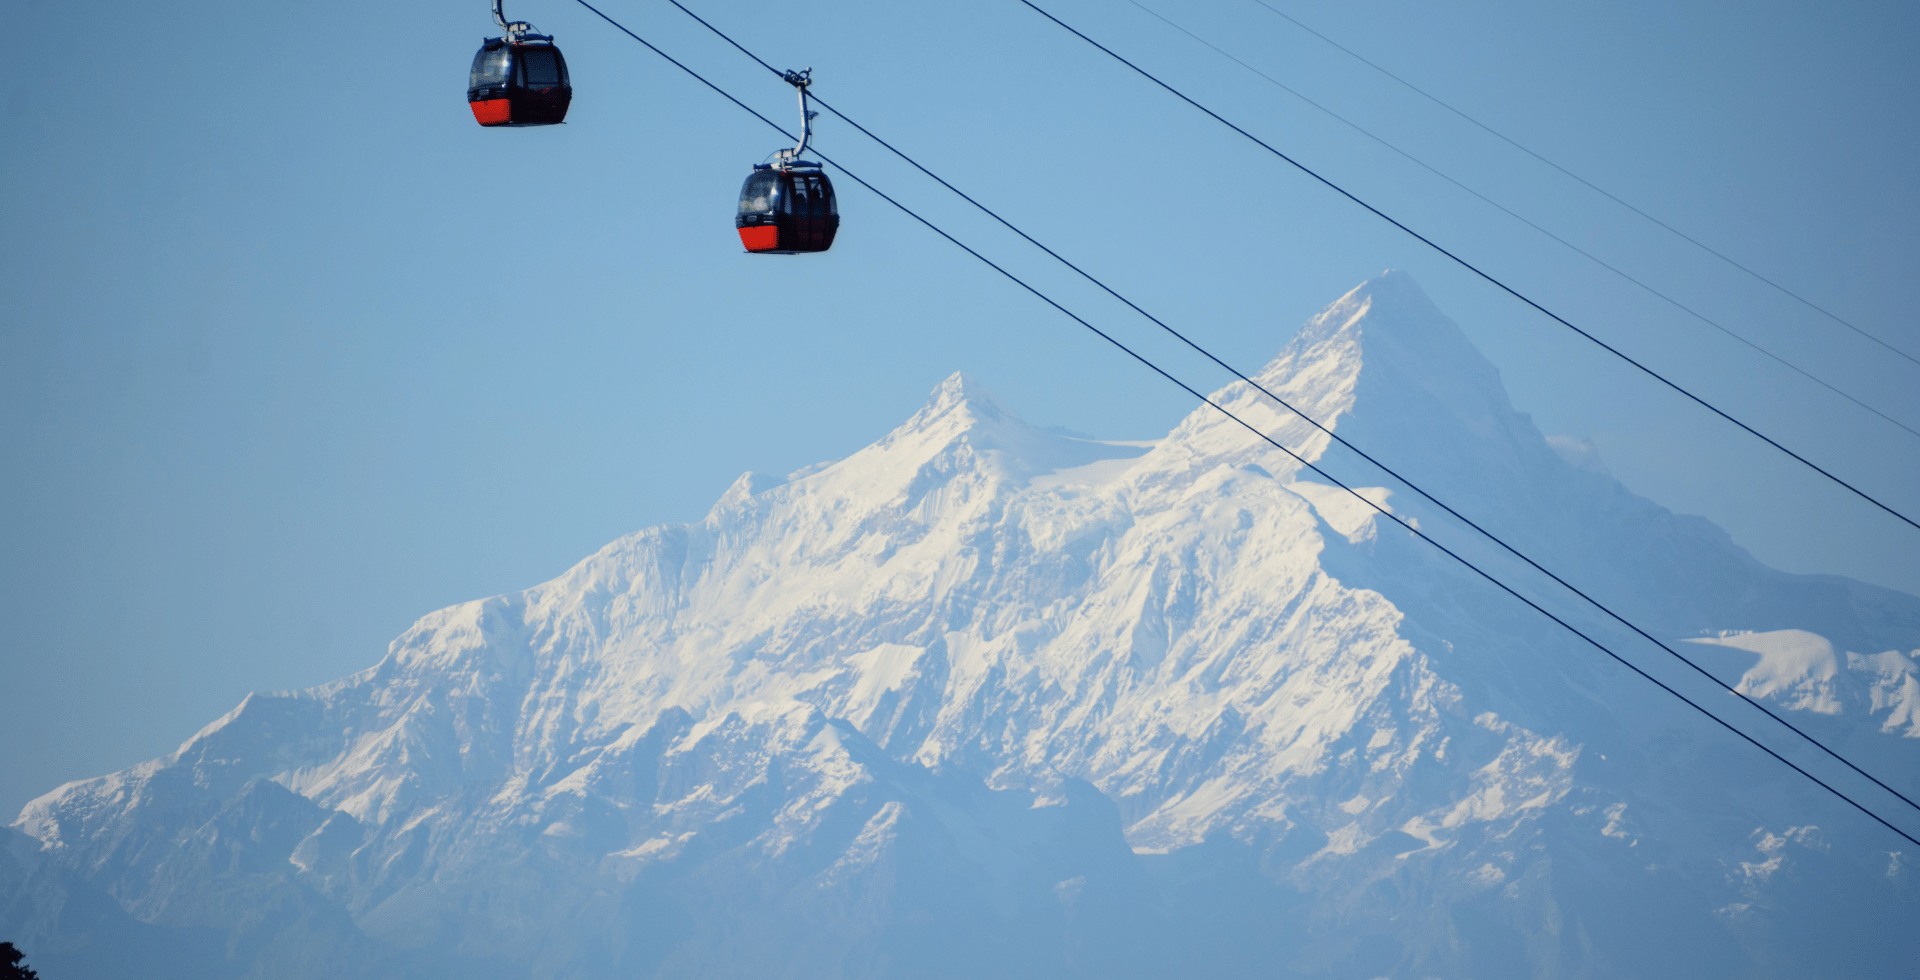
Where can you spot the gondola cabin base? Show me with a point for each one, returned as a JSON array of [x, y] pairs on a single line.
[[492, 112], [760, 238]]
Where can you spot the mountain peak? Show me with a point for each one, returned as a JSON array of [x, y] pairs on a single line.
[[1421, 390], [962, 392], [1389, 330], [1382, 365], [962, 427]]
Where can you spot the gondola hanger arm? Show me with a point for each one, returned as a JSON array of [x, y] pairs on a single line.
[[515, 29], [799, 80]]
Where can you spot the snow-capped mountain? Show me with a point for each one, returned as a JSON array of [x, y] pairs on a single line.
[[981, 699]]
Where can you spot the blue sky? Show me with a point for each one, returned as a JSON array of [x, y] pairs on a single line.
[[293, 352]]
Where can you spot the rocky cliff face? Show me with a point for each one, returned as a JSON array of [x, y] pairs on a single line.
[[980, 700]]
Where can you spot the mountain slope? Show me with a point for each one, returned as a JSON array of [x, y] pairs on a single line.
[[980, 698]]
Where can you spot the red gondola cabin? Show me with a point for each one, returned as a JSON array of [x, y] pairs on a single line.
[[787, 209], [519, 82]]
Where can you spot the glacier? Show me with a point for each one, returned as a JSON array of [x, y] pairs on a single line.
[[982, 699]]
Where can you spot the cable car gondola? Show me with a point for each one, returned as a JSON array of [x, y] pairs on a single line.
[[519, 79], [787, 206]]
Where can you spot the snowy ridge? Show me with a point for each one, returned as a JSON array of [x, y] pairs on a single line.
[[986, 678], [1799, 670]]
